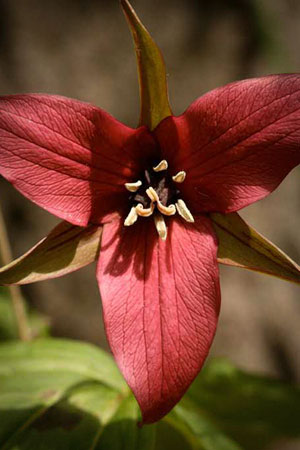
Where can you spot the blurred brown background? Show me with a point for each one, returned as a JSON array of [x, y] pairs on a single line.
[[83, 49]]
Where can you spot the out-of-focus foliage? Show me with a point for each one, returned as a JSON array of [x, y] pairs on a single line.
[[64, 394], [253, 409], [8, 327]]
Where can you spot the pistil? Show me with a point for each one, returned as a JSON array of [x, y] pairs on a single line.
[[144, 212], [167, 210]]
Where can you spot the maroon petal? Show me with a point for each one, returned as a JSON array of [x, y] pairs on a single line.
[[67, 156], [161, 305], [235, 143]]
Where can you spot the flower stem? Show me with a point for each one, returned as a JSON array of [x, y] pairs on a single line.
[[17, 298]]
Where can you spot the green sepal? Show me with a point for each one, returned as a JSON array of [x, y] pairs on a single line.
[[151, 71], [67, 248], [242, 246]]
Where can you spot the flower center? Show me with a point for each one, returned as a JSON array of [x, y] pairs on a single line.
[[157, 193]]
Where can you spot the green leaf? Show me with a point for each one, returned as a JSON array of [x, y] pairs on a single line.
[[67, 248], [62, 394], [50, 356], [58, 394], [151, 70], [123, 432], [55, 391], [73, 422], [39, 324], [241, 246], [253, 410]]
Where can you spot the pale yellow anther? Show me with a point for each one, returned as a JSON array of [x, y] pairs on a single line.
[[179, 177], [167, 210], [152, 194], [163, 165], [144, 212], [133, 187], [161, 227], [183, 211], [131, 218]]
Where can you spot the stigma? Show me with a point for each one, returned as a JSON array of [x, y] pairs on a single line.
[[157, 194]]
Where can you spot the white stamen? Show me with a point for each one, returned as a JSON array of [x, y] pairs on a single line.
[[179, 177], [131, 218], [152, 194], [163, 165], [183, 211], [167, 210], [133, 187], [144, 212], [160, 226]]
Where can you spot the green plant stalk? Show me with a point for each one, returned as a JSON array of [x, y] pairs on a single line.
[[16, 296]]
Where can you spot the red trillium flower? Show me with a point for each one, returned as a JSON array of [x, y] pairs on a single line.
[[152, 191]]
